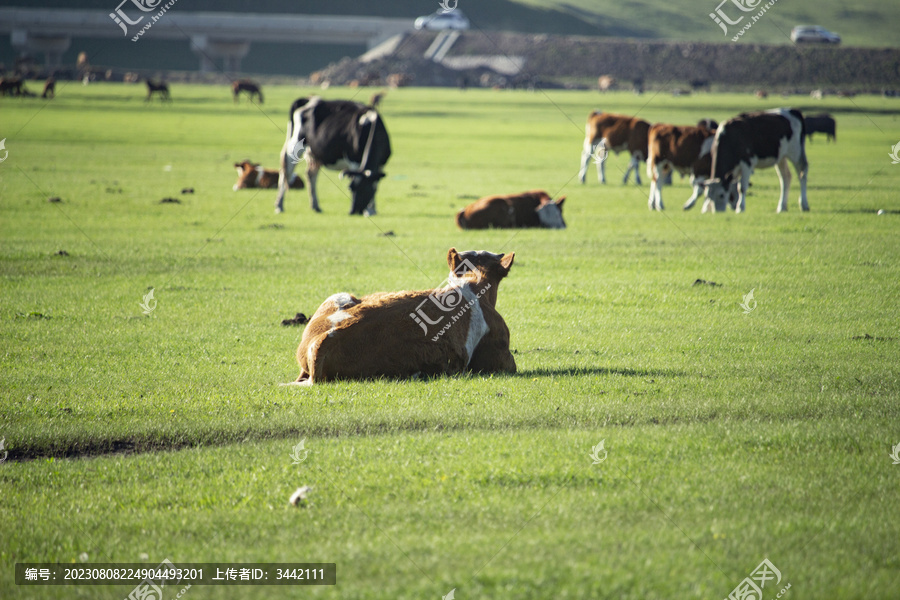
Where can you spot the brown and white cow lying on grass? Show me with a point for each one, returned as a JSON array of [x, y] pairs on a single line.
[[528, 209], [252, 175], [447, 330]]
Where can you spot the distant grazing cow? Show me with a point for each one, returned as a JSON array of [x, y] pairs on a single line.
[[252, 175], [762, 94], [757, 140], [161, 89], [338, 135], [396, 80], [708, 123], [49, 88], [606, 83], [10, 86], [251, 88], [821, 123], [684, 149], [528, 209], [407, 334], [699, 84], [614, 133]]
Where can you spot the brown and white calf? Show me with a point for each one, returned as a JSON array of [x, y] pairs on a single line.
[[610, 132], [252, 175], [684, 149], [757, 140], [528, 209], [447, 330]]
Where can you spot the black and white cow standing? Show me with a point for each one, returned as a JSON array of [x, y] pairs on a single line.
[[339, 135], [757, 140]]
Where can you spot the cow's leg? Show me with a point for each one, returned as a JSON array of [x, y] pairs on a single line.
[[586, 152], [285, 175], [784, 178], [697, 183], [742, 190], [634, 165], [802, 169], [312, 172], [656, 184], [601, 165]]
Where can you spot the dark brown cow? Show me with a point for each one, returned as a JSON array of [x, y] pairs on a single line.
[[252, 175], [49, 88], [251, 88], [821, 123], [607, 131], [447, 330], [10, 86], [528, 209], [160, 88]]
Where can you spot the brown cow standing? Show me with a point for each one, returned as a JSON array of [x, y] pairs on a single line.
[[250, 87], [528, 209], [605, 132], [447, 330], [252, 175], [684, 149]]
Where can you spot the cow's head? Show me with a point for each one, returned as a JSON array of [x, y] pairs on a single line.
[[247, 172], [717, 191], [550, 214], [477, 265], [362, 186]]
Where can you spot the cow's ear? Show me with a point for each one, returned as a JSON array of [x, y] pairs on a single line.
[[559, 202], [453, 259], [506, 260]]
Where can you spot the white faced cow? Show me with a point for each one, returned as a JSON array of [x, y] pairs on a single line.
[[339, 135], [757, 140], [404, 334], [528, 209], [615, 133]]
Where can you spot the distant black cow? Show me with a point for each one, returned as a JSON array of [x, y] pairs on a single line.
[[250, 87], [757, 141], [159, 88], [338, 135], [821, 123]]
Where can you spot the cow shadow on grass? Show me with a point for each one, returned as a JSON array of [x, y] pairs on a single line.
[[575, 371]]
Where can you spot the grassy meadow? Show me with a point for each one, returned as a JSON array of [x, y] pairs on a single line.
[[730, 436]]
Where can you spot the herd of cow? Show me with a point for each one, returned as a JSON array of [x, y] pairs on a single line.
[[457, 328], [719, 159]]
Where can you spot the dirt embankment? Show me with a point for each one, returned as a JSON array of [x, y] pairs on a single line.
[[554, 59]]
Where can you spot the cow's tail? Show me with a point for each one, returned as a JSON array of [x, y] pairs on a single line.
[[461, 219]]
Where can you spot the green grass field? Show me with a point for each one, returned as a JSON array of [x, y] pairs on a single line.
[[731, 437]]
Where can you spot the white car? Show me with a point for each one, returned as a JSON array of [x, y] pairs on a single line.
[[443, 20], [813, 33]]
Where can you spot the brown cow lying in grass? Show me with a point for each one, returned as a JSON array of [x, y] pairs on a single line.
[[528, 209], [252, 175], [446, 330]]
